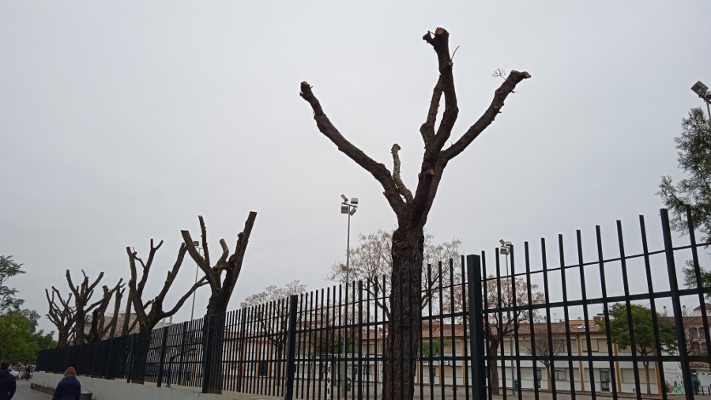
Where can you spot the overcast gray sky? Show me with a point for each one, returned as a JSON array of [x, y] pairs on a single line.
[[121, 122]]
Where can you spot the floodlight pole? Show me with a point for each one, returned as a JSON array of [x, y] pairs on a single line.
[[347, 207], [505, 249]]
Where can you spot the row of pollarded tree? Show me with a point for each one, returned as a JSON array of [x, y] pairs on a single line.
[[70, 313]]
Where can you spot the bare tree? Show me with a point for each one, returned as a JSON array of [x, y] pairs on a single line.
[[498, 325], [547, 344], [61, 315], [411, 209], [221, 288], [371, 261], [500, 294], [82, 307], [272, 314], [148, 318]]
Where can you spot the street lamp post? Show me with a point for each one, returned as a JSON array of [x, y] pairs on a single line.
[[506, 249], [705, 95], [347, 207], [192, 310]]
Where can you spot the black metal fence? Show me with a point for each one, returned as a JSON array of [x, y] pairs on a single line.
[[540, 329]]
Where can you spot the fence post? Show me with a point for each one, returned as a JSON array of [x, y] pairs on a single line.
[[291, 355], [476, 326], [207, 352], [161, 363], [676, 305]]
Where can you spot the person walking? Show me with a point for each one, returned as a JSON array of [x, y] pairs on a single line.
[[7, 382], [69, 387]]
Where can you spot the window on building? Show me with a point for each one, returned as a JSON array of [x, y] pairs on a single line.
[[561, 375], [263, 368], [693, 333]]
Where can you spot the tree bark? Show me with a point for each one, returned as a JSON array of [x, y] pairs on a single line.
[[405, 326], [493, 368]]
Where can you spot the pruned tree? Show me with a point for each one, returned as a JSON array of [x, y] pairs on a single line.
[[99, 329], [151, 312], [61, 315], [412, 209], [371, 261], [82, 307], [221, 288]]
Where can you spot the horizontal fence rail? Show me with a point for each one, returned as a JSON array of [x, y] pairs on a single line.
[[588, 317]]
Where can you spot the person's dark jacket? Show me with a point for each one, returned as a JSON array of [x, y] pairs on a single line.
[[68, 388], [7, 385]]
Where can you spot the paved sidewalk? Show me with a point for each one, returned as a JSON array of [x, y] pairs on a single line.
[[25, 393]]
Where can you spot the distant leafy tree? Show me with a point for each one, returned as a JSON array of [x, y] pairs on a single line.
[[644, 333], [433, 348], [18, 344], [8, 296], [694, 158], [326, 341]]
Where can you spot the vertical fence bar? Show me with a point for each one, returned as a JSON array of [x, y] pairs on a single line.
[[291, 346], [653, 307], [699, 282], [606, 314], [207, 353], [161, 362], [476, 323], [586, 316], [566, 314], [676, 304], [531, 326], [626, 286]]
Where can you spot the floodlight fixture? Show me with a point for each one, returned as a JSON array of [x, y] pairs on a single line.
[[345, 199], [354, 201], [701, 90], [344, 209], [505, 247]]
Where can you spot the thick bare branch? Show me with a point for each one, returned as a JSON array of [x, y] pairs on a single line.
[[440, 43], [402, 189], [212, 280], [378, 170], [234, 264], [428, 127], [489, 115]]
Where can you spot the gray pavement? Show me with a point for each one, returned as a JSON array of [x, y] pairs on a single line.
[[25, 393]]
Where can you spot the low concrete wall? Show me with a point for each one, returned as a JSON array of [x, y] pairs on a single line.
[[104, 389]]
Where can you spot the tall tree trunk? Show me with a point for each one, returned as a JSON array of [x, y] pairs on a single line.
[[493, 369], [646, 376], [405, 327]]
